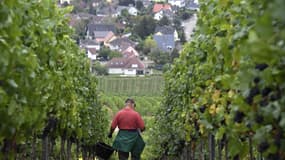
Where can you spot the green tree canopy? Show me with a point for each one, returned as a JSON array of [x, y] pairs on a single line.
[[159, 57], [139, 5], [126, 2], [145, 26], [108, 54], [164, 21], [99, 69]]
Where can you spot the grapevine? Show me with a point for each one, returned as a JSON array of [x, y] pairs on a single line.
[[228, 82], [46, 89]]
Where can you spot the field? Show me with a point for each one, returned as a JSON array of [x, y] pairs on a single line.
[[131, 86]]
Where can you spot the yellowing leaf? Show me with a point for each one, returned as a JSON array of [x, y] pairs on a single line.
[[216, 95]]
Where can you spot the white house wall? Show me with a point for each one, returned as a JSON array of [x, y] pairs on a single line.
[[115, 71], [130, 71], [158, 16], [91, 56], [179, 3], [113, 47], [97, 47]]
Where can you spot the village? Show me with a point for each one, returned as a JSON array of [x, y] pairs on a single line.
[[130, 37]]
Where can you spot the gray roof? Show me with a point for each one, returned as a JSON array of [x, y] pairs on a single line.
[[168, 13], [165, 42], [100, 27], [100, 34], [164, 29], [192, 5], [88, 42]]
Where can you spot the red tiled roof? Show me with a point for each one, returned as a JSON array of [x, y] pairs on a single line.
[[158, 7], [128, 54], [130, 49], [125, 63], [117, 63], [134, 60]]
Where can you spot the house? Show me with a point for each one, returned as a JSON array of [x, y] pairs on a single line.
[[160, 10], [146, 3], [167, 13], [119, 10], [133, 11], [96, 3], [178, 3], [100, 32], [91, 27], [88, 43], [90, 46], [121, 44], [126, 66], [131, 51], [166, 30], [103, 36], [158, 0], [158, 16], [192, 5], [91, 54], [64, 1], [128, 54], [85, 16], [160, 7], [96, 20], [165, 42]]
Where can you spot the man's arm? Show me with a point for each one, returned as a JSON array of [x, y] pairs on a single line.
[[141, 123], [113, 126], [111, 132]]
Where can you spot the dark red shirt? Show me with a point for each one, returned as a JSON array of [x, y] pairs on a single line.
[[127, 118]]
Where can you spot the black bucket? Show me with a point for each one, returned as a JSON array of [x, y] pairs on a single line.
[[103, 150]]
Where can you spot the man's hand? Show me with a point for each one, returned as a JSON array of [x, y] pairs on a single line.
[[110, 135], [111, 132]]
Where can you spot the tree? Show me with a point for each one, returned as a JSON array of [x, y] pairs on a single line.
[[176, 22], [159, 57], [126, 2], [107, 54], [139, 5], [92, 10], [80, 29], [77, 7], [174, 54], [125, 13], [47, 92], [164, 21], [181, 35], [145, 26], [148, 45], [99, 69]]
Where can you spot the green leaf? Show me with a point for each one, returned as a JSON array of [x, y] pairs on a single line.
[[12, 83]]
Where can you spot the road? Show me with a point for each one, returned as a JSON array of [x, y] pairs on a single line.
[[189, 26]]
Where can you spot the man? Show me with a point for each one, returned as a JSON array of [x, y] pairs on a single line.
[[130, 125]]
